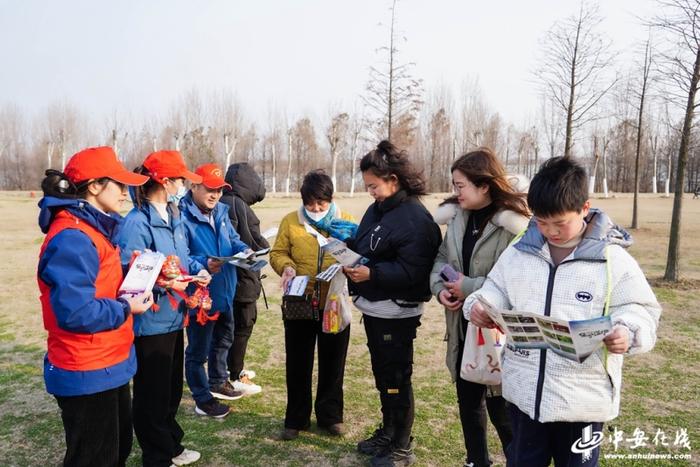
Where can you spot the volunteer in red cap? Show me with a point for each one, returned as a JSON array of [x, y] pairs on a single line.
[[210, 235], [155, 224], [90, 357]]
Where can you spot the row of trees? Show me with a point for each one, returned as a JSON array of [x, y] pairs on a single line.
[[214, 128], [634, 128]]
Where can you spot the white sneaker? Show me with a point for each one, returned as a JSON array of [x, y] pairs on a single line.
[[247, 387], [250, 374], [186, 457]]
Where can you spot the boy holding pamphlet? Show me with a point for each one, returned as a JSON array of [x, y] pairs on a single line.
[[571, 265]]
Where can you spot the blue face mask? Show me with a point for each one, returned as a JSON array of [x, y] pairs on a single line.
[[181, 192]]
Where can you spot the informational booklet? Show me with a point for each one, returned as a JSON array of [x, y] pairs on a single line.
[[269, 233], [329, 274], [250, 264], [246, 260], [242, 255], [342, 254], [575, 340], [297, 286], [142, 274]]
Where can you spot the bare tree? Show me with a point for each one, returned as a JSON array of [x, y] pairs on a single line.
[[356, 128], [574, 67], [681, 68], [290, 147], [646, 67], [551, 124], [337, 135], [392, 92]]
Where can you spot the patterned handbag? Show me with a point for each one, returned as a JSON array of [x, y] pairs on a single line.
[[294, 308], [306, 306]]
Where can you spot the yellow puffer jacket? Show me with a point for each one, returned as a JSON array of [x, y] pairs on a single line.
[[297, 248]]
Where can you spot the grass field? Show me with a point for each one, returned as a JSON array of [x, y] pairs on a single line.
[[660, 391]]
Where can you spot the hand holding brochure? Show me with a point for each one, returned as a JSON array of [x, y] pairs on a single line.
[[297, 286], [342, 254], [142, 275], [246, 259], [242, 255], [575, 340]]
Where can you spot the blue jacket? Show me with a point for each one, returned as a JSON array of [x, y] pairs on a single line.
[[144, 229], [69, 266], [204, 242]]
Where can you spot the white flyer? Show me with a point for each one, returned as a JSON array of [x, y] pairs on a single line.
[[342, 254], [142, 275], [297, 286]]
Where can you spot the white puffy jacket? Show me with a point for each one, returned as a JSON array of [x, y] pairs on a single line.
[[547, 387]]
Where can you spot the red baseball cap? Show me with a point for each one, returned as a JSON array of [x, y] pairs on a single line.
[[169, 164], [94, 163], [212, 176]]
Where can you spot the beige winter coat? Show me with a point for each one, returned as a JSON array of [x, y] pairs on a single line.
[[497, 234]]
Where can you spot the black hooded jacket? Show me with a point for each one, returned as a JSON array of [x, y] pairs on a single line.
[[247, 189], [401, 240]]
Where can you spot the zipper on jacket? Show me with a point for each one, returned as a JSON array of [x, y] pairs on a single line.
[[543, 352]]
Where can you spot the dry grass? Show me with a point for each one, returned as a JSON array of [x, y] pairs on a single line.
[[660, 391]]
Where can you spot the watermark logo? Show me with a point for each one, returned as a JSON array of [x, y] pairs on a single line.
[[652, 445], [588, 441]]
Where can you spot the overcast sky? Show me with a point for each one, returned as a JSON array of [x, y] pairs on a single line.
[[304, 55]]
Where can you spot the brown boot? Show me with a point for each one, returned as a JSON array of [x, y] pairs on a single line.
[[289, 434], [336, 429]]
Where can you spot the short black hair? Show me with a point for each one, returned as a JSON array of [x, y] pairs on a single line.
[[559, 186], [317, 186]]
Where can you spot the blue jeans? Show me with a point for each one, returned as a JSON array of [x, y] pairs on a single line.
[[213, 339]]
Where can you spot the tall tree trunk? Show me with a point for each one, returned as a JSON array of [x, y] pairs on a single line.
[[672, 265], [654, 146], [274, 168], [640, 129], [228, 151], [289, 164], [596, 160], [605, 170]]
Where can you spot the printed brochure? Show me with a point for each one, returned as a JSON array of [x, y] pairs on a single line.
[[575, 340], [143, 273]]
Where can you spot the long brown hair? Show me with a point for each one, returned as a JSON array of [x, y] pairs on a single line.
[[483, 168]]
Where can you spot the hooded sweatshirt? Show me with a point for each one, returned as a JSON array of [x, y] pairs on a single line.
[[247, 188]]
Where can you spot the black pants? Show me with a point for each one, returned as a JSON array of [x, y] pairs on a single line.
[[535, 444], [390, 343], [157, 394], [98, 427], [300, 338], [472, 414], [244, 316]]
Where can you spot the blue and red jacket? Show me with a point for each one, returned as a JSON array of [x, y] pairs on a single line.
[[90, 334], [205, 240], [143, 229]]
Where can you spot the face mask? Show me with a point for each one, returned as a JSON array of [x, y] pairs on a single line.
[[316, 216], [181, 192]]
